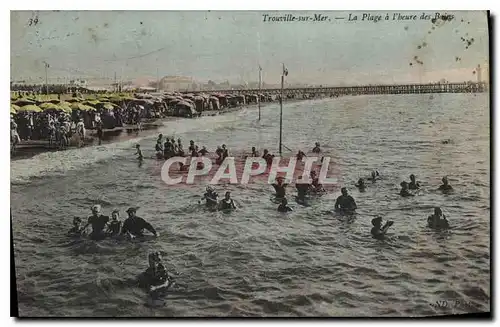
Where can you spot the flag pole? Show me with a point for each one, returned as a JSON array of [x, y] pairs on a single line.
[[281, 107], [260, 86]]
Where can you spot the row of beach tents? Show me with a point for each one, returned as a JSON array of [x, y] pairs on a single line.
[[180, 104]]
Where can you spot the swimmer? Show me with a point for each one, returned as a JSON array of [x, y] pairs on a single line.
[[413, 185], [139, 152], [438, 220], [404, 190], [225, 152], [315, 185], [361, 184], [378, 231], [219, 151], [445, 186], [155, 274], [316, 148], [283, 207], [374, 176], [134, 225], [203, 151], [160, 139], [302, 189], [254, 152], [192, 147], [114, 225], [98, 222], [300, 155], [211, 197], [279, 187], [174, 146], [75, 230], [227, 203], [180, 150], [345, 202], [158, 146], [267, 157], [167, 149]]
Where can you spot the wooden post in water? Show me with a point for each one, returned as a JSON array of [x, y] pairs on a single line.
[[260, 86], [285, 72], [281, 111]]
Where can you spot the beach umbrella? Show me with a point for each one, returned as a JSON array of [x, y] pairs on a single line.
[[91, 102], [82, 107], [24, 101], [30, 108], [127, 97], [143, 101], [185, 104], [115, 99], [73, 100], [108, 105], [54, 101], [51, 106], [143, 96], [14, 108], [65, 105]]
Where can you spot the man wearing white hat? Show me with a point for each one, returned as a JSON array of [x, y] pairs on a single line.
[[98, 222]]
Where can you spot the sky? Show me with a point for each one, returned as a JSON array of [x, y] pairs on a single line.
[[230, 45]]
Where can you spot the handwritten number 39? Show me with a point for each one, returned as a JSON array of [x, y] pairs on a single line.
[[33, 21]]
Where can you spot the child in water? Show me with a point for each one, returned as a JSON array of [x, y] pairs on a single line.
[[445, 187], [438, 220], [404, 190], [227, 203], [114, 225], [76, 229], [139, 152], [378, 231], [155, 274], [361, 184]]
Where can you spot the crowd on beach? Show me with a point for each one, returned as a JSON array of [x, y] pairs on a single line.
[[57, 119]]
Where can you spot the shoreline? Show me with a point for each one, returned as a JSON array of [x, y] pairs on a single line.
[[31, 148]]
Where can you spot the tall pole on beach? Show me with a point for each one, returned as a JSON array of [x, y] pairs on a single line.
[[260, 86], [157, 80], [46, 78]]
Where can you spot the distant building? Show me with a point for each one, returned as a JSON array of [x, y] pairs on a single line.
[[176, 83], [78, 83]]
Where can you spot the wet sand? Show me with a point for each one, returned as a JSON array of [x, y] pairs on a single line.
[[29, 149]]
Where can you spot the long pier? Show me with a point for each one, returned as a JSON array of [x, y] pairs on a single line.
[[465, 87]]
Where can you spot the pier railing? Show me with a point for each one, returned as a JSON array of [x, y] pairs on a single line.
[[465, 87]]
